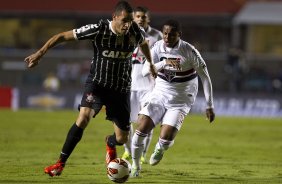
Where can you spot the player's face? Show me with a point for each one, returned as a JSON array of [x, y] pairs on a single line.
[[122, 22], [142, 19], [170, 36]]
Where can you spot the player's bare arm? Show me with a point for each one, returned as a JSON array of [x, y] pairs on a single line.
[[144, 46], [34, 58]]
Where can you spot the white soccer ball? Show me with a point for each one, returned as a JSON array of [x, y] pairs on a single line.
[[118, 170]]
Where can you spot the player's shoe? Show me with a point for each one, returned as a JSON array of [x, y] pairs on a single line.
[[156, 157], [143, 160], [135, 172], [56, 169], [111, 153], [126, 156]]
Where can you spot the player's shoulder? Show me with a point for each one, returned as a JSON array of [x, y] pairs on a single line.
[[186, 45], [154, 31], [158, 44], [98, 25]]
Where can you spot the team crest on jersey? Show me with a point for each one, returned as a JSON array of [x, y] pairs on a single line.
[[169, 74], [90, 98]]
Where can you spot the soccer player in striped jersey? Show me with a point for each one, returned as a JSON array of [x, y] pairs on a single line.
[[141, 85], [109, 79], [176, 86]]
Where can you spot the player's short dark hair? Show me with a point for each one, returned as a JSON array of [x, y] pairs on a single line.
[[176, 26], [123, 6], [142, 9]]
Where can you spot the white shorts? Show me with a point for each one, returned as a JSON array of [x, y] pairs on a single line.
[[158, 110], [137, 101]]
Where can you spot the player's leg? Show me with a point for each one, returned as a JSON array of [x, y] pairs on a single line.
[[146, 146], [166, 140], [127, 146], [144, 95], [171, 124], [148, 117], [73, 137], [134, 110], [117, 139], [90, 106], [145, 125], [117, 111]]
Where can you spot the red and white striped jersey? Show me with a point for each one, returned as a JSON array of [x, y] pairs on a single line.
[[140, 82]]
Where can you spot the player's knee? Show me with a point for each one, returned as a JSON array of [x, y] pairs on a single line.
[[145, 124], [83, 120]]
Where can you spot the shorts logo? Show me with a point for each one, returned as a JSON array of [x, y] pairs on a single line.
[[90, 98], [147, 103], [181, 118]]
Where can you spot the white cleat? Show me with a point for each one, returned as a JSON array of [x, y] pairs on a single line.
[[156, 157]]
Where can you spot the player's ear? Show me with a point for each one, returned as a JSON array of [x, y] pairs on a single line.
[[114, 16]]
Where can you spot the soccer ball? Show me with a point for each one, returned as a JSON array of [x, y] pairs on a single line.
[[118, 170]]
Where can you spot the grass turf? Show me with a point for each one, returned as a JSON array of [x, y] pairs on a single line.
[[231, 150]]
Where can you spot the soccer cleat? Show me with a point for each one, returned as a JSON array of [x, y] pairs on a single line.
[[111, 152], [143, 160], [156, 157], [135, 172], [126, 156], [56, 169]]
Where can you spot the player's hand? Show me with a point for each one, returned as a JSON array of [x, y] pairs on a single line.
[[33, 59], [174, 63], [210, 114], [153, 70]]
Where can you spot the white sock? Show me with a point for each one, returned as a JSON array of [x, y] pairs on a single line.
[[137, 148], [147, 143], [164, 144], [127, 145]]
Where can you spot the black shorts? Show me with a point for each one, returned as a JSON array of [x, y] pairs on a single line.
[[117, 103]]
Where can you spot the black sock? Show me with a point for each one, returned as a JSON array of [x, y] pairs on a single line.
[[112, 141], [73, 137]]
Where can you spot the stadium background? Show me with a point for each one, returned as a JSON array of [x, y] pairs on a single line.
[[240, 40]]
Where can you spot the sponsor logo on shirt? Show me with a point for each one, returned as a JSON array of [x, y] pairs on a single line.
[[116, 54]]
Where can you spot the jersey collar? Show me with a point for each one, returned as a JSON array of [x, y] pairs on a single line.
[[111, 27]]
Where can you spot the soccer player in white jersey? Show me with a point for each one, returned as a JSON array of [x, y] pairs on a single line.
[[176, 86], [140, 85]]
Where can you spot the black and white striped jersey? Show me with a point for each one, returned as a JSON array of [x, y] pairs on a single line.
[[111, 62]]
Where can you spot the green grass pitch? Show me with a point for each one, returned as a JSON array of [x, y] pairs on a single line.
[[231, 150]]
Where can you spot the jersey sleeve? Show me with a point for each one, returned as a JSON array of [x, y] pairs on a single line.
[[86, 32], [201, 68]]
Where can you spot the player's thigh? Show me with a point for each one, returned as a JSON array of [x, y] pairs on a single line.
[[91, 97], [118, 109], [153, 109], [174, 118]]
